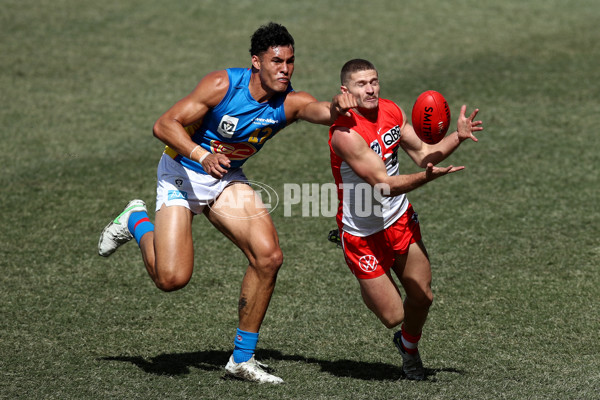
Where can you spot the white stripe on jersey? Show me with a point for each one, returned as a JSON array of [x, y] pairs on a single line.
[[365, 212]]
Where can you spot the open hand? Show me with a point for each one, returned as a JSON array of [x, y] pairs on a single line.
[[432, 172], [466, 126]]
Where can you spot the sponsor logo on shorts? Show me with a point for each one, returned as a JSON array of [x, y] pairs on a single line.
[[368, 263], [235, 151], [177, 195]]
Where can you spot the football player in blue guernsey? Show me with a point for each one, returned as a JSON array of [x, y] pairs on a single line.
[[209, 134]]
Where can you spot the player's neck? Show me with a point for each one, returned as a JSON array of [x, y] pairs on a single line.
[[368, 113], [258, 90]]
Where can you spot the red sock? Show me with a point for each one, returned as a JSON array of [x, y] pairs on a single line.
[[410, 342]]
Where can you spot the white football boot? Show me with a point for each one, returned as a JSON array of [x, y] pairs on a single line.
[[116, 232], [252, 371]]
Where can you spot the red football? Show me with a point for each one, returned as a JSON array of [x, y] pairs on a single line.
[[431, 116]]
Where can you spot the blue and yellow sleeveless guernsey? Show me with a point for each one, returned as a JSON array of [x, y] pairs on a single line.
[[238, 126]]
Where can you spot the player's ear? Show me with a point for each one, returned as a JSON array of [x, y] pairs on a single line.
[[256, 62], [344, 89]]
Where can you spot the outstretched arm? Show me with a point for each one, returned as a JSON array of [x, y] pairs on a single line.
[[305, 107], [353, 149], [423, 153]]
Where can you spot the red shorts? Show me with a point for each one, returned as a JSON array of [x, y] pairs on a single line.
[[372, 256]]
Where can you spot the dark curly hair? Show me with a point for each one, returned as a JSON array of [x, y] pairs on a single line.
[[269, 35]]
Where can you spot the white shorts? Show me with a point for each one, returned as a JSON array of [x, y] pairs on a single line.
[[179, 186]]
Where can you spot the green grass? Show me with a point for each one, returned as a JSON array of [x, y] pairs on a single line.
[[513, 239]]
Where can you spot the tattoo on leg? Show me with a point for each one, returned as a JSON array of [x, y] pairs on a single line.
[[242, 303]]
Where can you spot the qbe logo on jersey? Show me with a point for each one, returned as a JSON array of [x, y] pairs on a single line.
[[391, 137], [227, 126]]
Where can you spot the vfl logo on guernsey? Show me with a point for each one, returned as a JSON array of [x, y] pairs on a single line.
[[235, 151], [227, 126], [391, 137], [376, 147]]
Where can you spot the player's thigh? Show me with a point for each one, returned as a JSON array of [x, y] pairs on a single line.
[[382, 296], [414, 270], [173, 243], [241, 216]]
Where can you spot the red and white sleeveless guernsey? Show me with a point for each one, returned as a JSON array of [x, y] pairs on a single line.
[[362, 211]]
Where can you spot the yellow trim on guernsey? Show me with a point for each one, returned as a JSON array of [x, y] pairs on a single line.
[[190, 129], [170, 152]]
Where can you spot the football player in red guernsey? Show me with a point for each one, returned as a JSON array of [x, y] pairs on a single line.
[[379, 230]]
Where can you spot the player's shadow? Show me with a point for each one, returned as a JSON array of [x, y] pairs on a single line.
[[180, 364]]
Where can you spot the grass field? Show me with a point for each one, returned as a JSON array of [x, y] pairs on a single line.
[[514, 239]]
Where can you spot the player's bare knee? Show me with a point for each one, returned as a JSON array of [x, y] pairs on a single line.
[[274, 261], [418, 294], [269, 263], [429, 298], [392, 321], [423, 300], [169, 282], [171, 285], [390, 325]]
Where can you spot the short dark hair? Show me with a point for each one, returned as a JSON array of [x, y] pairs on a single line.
[[352, 66], [270, 35]]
